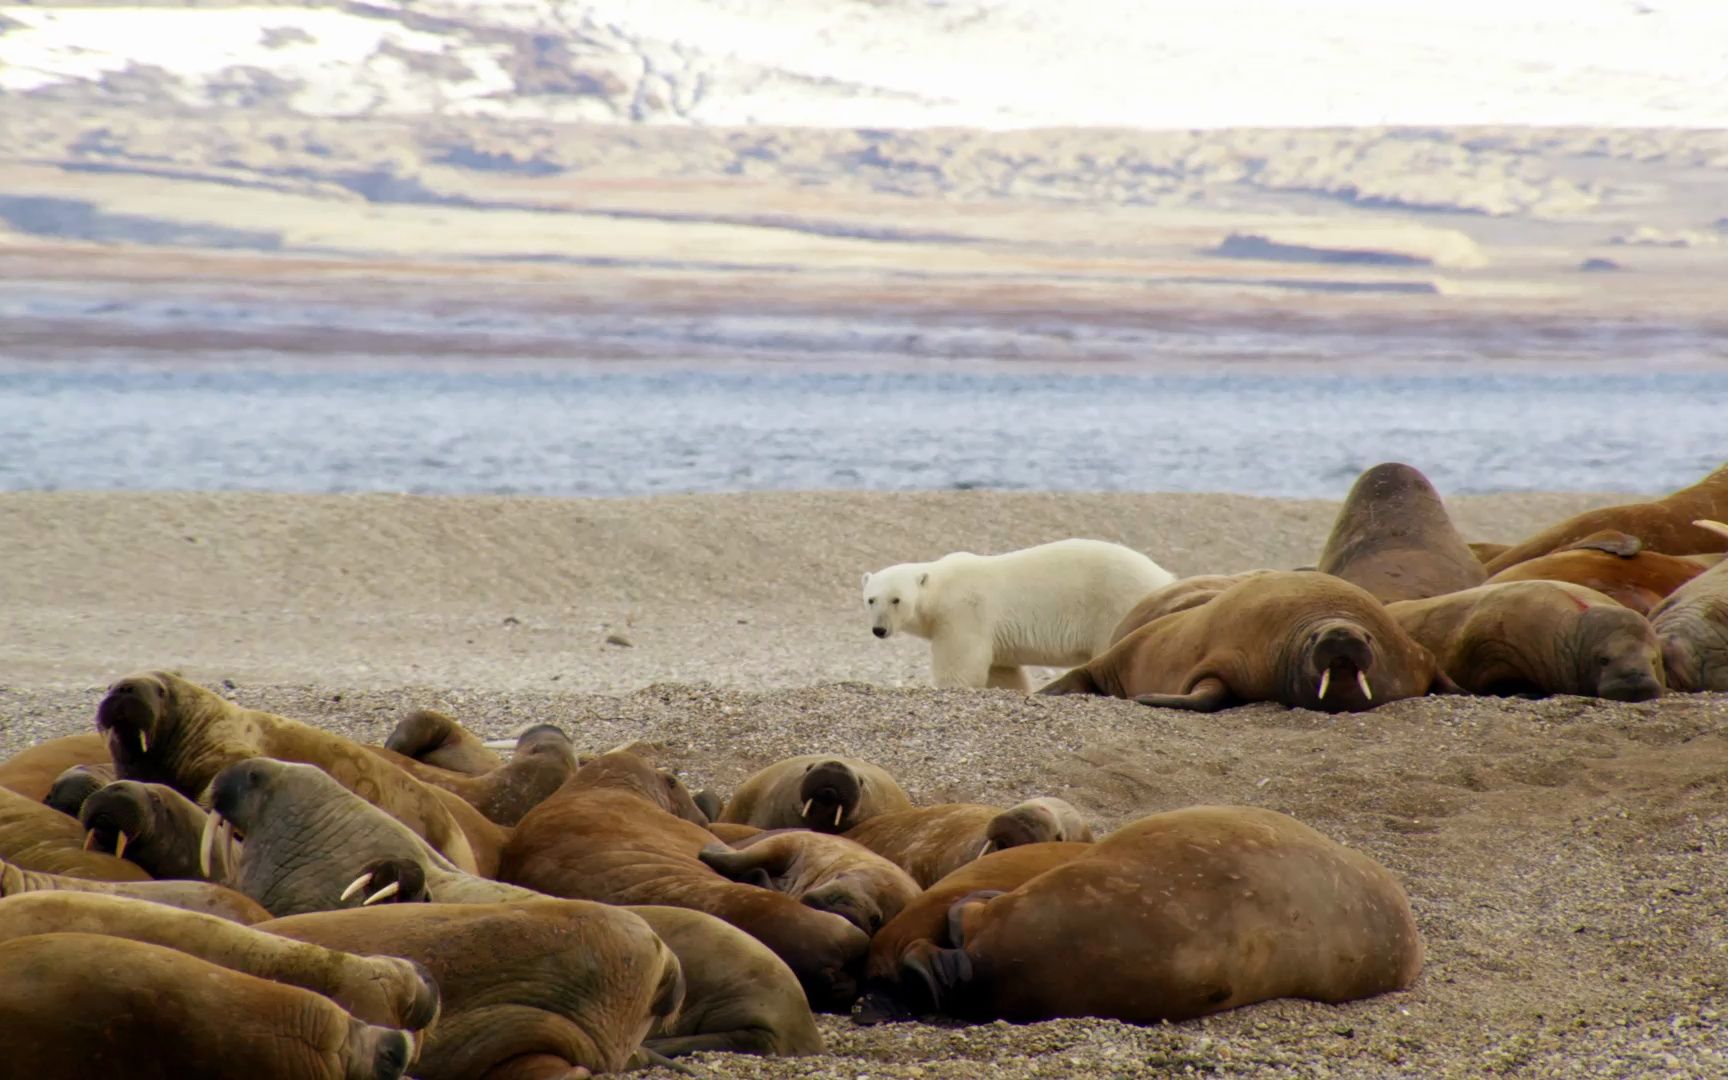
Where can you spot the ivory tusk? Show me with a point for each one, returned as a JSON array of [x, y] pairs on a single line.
[[382, 894], [143, 742], [806, 811], [207, 845], [1325, 683], [985, 850], [1362, 681], [838, 812], [356, 885], [120, 845], [89, 839]]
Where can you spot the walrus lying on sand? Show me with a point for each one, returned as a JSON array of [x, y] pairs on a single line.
[[163, 729], [31, 772], [1188, 592], [543, 760], [1301, 638], [1394, 538], [611, 835], [1178, 915], [200, 896], [151, 825], [1692, 627], [1540, 638], [529, 989], [931, 842], [828, 873], [432, 738], [96, 1005], [817, 792], [383, 990], [1665, 525], [1615, 565]]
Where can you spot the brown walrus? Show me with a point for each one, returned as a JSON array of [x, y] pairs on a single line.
[[926, 919], [384, 990], [1692, 627], [543, 760], [72, 787], [1301, 638], [732, 832], [1487, 551], [151, 825], [91, 1005], [200, 896], [533, 988], [1394, 538], [931, 842], [1189, 592], [611, 835], [815, 791], [432, 738], [1615, 565], [1538, 638], [1664, 524], [163, 729], [31, 772], [1178, 915], [828, 873], [34, 837]]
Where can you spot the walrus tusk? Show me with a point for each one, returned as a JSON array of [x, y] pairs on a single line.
[[1325, 683], [985, 850], [1362, 681], [382, 894], [356, 885], [89, 839], [143, 742], [838, 812], [806, 811], [120, 845], [207, 844], [1714, 526]]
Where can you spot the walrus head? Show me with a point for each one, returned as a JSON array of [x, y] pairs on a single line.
[[621, 768], [1035, 821], [117, 815], [1617, 653], [133, 715], [72, 787], [1333, 668], [828, 795]]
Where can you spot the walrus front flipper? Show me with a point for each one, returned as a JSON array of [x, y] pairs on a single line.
[[940, 973], [1611, 541], [1078, 681], [744, 867], [1209, 695], [709, 803]]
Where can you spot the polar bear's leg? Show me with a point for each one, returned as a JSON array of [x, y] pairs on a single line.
[[959, 659], [1008, 677]]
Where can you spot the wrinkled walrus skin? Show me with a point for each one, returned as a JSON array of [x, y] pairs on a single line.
[[1394, 538], [163, 729], [90, 1005], [1175, 916], [1692, 626], [205, 897], [828, 873]]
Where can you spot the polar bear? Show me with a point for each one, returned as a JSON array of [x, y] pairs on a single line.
[[1053, 605]]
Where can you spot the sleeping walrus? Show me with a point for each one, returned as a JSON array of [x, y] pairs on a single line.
[[1692, 626], [1612, 563], [1665, 524]]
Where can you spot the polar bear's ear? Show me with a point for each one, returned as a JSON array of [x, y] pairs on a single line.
[[922, 578], [866, 577]]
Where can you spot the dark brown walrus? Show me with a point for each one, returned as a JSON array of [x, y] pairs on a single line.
[[1178, 915], [151, 825], [926, 920], [200, 896], [1664, 524], [1189, 592], [1538, 638], [1615, 565], [1394, 538], [432, 738], [828, 873], [163, 729], [1692, 627], [34, 837], [383, 990], [32, 771], [1305, 639], [815, 791], [931, 842], [76, 784], [611, 835], [543, 760], [530, 989], [89, 1005]]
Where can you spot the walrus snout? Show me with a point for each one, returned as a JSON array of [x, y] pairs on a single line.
[[128, 714], [828, 794], [1340, 658], [114, 816], [879, 631], [377, 1053], [1622, 685]]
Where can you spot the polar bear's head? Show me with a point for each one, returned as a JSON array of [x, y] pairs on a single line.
[[891, 596]]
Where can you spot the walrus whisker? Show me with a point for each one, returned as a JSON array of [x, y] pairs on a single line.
[[1362, 681], [356, 885], [382, 894], [1325, 683]]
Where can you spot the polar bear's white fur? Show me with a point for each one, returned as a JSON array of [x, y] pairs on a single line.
[[1053, 605]]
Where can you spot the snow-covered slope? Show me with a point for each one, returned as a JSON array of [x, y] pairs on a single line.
[[901, 63]]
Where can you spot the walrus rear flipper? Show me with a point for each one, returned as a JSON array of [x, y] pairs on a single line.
[[1078, 681], [1209, 695], [940, 973]]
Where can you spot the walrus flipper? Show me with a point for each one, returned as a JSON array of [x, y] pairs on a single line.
[[1078, 681], [744, 867], [940, 973], [744, 1040], [1209, 695], [1611, 541]]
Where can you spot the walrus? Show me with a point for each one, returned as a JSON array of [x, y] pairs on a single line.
[[1487, 551], [163, 729], [435, 739], [926, 919], [710, 803], [303, 833], [72, 787], [383, 990], [32, 771], [1180, 595], [610, 835], [34, 837], [1692, 627], [543, 760], [1615, 565], [1175, 916], [732, 832], [532, 988], [1394, 538], [151, 825], [1537, 638], [828, 873], [1304, 639], [815, 791], [1665, 525], [94, 1005], [205, 897], [931, 842]]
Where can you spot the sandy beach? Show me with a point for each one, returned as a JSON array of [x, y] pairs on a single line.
[[1565, 857]]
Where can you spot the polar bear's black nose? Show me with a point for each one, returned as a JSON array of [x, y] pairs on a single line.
[[880, 631]]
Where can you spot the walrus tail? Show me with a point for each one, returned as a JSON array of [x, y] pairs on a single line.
[[1078, 681]]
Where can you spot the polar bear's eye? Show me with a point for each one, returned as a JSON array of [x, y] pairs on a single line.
[[872, 600], [896, 599]]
